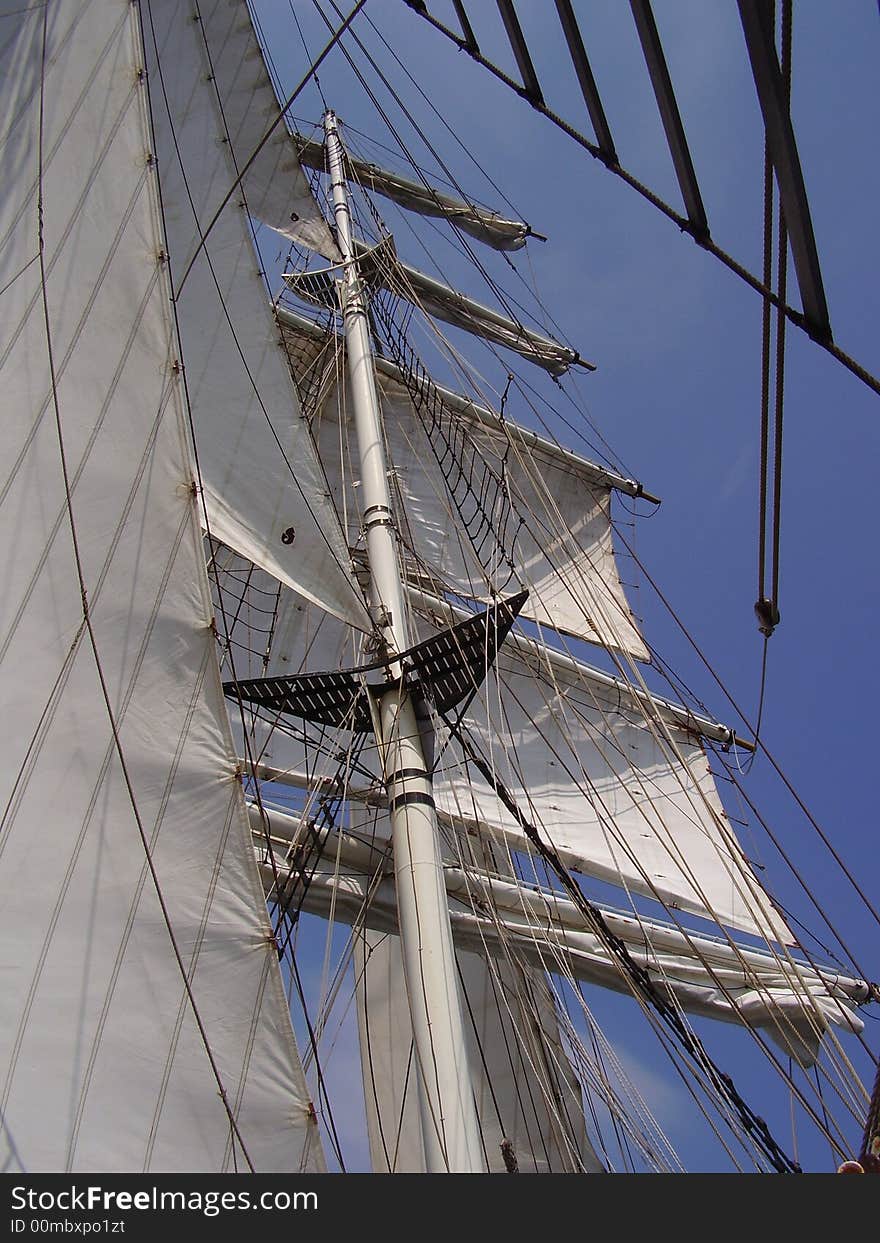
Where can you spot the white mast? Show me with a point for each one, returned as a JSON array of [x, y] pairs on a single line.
[[449, 1119]]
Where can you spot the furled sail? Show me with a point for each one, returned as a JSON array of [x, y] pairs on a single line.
[[381, 266], [479, 222], [265, 493], [454, 307], [561, 539], [124, 836]]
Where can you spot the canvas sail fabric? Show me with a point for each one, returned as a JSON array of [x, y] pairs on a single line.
[[380, 266], [793, 1001], [278, 192], [525, 1089], [618, 783], [453, 307], [625, 792], [102, 1067], [265, 493], [479, 222], [563, 550]]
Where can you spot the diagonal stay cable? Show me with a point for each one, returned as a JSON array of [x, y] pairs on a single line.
[[755, 1126]]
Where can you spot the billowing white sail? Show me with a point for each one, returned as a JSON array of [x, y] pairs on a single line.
[[276, 186], [622, 788], [561, 535], [265, 493], [123, 830]]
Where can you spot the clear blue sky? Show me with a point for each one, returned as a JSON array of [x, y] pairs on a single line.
[[677, 341]]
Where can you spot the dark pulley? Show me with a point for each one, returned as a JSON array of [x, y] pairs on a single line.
[[768, 616]]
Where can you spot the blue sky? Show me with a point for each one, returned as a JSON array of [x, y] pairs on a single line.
[[676, 338]]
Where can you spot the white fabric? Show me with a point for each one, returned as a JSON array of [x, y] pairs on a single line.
[[101, 1064], [380, 266], [562, 552], [792, 1001], [257, 460], [621, 788], [519, 1068], [453, 307], [628, 800], [525, 1089], [278, 192]]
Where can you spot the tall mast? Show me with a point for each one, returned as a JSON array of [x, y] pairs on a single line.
[[449, 1118]]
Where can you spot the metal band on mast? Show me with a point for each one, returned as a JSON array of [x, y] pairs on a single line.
[[449, 1119]]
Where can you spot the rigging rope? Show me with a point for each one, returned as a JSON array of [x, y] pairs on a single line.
[[754, 1125], [767, 605], [469, 477], [763, 747], [686, 226]]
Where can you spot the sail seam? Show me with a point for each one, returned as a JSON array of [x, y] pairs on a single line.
[[117, 742]]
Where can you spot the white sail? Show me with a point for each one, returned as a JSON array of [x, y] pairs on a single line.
[[453, 307], [265, 493], [381, 266], [622, 789], [525, 1089], [527, 1097], [616, 781], [115, 728], [561, 536], [794, 1001], [151, 421], [277, 190]]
